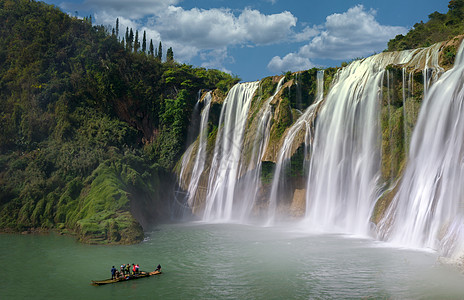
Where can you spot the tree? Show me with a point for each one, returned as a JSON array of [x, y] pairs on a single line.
[[152, 49], [144, 42], [170, 55], [160, 52], [127, 38], [456, 8], [117, 28], [131, 39], [136, 42]]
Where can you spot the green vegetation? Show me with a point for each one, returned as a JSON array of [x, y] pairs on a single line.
[[398, 117], [440, 27], [90, 126]]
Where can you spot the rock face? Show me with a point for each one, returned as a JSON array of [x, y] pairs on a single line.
[[297, 209]]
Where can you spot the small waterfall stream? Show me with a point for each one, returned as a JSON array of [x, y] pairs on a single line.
[[227, 152], [285, 152], [200, 158], [251, 181]]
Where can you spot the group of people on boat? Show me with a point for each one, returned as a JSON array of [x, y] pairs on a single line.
[[126, 270]]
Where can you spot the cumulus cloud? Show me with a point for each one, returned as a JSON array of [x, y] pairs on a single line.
[[351, 34], [216, 28], [354, 33], [290, 62], [209, 32], [133, 9], [306, 34], [215, 58]]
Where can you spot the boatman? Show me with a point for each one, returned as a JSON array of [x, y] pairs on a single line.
[[123, 269], [158, 268], [113, 273]]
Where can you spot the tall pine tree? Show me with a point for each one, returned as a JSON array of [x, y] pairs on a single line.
[[160, 52], [131, 40], [144, 42], [117, 28], [152, 49], [127, 38], [136, 42]]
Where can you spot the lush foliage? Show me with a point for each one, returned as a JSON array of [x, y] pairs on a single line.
[[440, 27], [86, 121]]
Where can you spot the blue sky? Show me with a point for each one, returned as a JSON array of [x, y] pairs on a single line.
[[255, 39]]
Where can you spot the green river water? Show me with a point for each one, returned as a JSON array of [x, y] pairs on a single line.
[[225, 261]]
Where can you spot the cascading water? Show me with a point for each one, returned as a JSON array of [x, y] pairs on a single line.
[[344, 170], [201, 151], [227, 153], [343, 141], [285, 152], [428, 210], [251, 181]]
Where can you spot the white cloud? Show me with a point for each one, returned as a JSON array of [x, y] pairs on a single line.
[[133, 9], [266, 29], [215, 58], [291, 62], [307, 34], [210, 32], [354, 33], [217, 28]]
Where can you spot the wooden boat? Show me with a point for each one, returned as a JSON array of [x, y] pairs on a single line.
[[126, 278]]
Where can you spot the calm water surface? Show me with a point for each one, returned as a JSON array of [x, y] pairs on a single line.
[[217, 261]]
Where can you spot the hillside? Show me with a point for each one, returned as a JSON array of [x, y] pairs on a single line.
[[440, 27], [89, 127]]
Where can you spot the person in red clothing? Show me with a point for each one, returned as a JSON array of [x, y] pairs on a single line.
[[133, 269], [137, 268]]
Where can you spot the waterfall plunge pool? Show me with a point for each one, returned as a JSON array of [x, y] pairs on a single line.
[[226, 261]]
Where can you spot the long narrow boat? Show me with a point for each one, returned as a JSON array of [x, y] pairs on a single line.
[[126, 278]]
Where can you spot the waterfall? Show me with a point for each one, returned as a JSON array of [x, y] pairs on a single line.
[[432, 69], [251, 183], [342, 135], [227, 152], [285, 152], [342, 184], [428, 210], [201, 151], [405, 116]]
